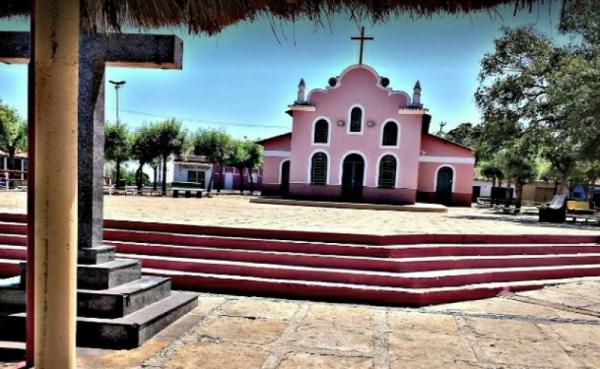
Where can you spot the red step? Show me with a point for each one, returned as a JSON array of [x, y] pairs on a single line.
[[438, 278], [355, 262], [9, 268], [343, 292]]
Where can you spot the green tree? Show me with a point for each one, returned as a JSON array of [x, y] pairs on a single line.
[[545, 95], [518, 165], [238, 158], [171, 139], [491, 170], [216, 146], [13, 133], [254, 160], [117, 146], [145, 149]]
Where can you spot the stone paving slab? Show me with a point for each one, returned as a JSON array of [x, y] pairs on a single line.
[[236, 332]]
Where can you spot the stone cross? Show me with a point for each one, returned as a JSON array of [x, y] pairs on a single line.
[[97, 52]]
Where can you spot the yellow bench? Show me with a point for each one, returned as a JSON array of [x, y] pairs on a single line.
[[580, 209]]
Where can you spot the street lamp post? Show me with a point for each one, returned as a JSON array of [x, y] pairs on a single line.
[[117, 85]]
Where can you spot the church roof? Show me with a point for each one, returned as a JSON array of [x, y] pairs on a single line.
[[274, 138], [449, 142]]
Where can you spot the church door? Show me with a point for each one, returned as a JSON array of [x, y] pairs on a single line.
[[443, 190], [285, 178], [352, 177]]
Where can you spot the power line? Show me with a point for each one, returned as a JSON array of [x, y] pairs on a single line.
[[214, 122]]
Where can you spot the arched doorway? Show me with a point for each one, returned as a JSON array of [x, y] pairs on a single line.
[[285, 178], [352, 177], [443, 188]]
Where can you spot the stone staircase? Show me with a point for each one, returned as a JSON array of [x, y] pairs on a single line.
[[408, 270], [117, 307]]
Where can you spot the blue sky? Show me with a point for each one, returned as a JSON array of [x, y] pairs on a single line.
[[242, 79]]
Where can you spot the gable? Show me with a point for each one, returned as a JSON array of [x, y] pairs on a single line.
[[436, 146], [281, 142]]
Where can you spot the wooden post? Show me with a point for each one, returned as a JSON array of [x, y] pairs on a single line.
[[56, 50]]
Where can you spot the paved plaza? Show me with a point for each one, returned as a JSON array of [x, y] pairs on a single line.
[[558, 327], [554, 328], [237, 211]]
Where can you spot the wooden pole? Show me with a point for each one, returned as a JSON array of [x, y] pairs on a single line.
[[56, 48]]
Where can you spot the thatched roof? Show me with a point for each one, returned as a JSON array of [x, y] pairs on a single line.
[[210, 16]]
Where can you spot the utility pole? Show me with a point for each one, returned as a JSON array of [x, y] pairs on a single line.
[[118, 85]]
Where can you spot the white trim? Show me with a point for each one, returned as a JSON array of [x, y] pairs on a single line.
[[312, 133], [397, 179], [409, 111], [453, 177], [362, 120], [310, 157], [446, 159], [295, 107], [385, 122], [281, 169], [389, 90], [341, 169], [277, 154]]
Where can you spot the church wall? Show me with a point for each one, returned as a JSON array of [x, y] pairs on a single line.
[[276, 151], [462, 186], [435, 146], [357, 87]]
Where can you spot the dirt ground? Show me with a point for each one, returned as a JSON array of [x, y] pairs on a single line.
[[237, 211]]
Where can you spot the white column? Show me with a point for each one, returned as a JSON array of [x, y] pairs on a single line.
[[56, 68]]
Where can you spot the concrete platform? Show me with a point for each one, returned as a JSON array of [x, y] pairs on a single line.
[[418, 207]]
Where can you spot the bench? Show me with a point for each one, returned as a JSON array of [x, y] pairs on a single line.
[[188, 192], [580, 210]]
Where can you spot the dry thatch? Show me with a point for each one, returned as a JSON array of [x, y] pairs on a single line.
[[211, 16]]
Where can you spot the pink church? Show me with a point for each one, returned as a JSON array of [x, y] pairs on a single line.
[[359, 140]]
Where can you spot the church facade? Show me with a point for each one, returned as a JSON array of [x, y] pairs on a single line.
[[360, 140]]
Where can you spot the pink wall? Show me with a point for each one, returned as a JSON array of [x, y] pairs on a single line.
[[463, 177], [432, 145], [357, 85], [275, 149]]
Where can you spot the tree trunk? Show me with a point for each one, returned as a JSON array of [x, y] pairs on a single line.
[[138, 178], [219, 183], [251, 182], [493, 193], [519, 189], [594, 192], [241, 180], [118, 174], [210, 182], [164, 176], [155, 169]]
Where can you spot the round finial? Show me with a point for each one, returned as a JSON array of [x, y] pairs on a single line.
[[385, 81], [333, 81]]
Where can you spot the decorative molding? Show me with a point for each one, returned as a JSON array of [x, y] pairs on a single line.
[[295, 107], [446, 159], [277, 154], [412, 111]]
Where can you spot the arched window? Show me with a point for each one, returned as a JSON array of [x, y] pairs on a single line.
[[318, 169], [387, 172], [356, 115], [390, 134], [321, 134]]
